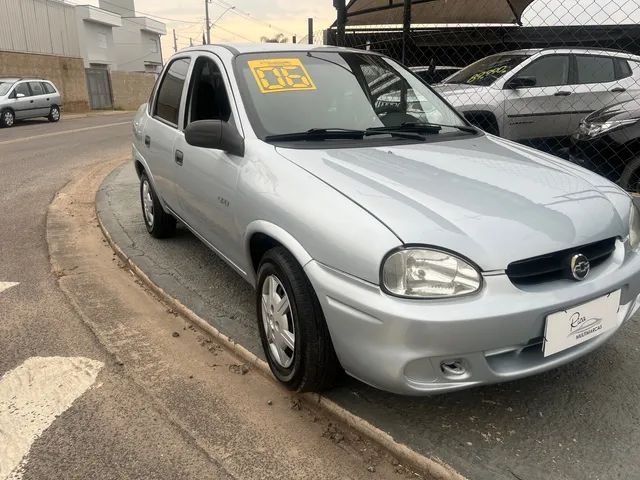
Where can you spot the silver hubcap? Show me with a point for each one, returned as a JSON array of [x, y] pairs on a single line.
[[55, 114], [8, 119], [147, 202], [277, 318]]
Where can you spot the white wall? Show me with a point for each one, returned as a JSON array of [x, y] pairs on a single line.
[[39, 26], [133, 46], [96, 43]]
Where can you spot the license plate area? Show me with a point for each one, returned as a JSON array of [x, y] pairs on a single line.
[[571, 327]]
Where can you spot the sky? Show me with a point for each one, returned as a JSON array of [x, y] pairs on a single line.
[[253, 19]]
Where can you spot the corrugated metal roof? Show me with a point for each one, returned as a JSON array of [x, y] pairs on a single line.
[[390, 12]]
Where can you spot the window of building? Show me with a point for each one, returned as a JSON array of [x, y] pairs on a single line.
[[170, 92], [549, 71], [154, 45], [592, 69]]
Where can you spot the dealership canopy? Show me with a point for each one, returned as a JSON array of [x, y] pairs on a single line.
[[390, 12]]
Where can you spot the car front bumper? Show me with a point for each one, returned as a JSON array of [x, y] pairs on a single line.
[[400, 345]]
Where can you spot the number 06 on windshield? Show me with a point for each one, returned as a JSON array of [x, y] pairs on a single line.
[[281, 75]]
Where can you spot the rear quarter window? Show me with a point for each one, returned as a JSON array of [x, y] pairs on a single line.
[[48, 88], [623, 70]]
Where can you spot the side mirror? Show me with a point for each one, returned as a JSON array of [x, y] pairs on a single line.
[[521, 82], [215, 134]]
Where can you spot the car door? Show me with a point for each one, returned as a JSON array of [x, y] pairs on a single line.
[[206, 179], [22, 101], [544, 110], [597, 85], [162, 129], [40, 105]]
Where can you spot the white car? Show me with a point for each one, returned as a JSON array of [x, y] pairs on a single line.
[[542, 93]]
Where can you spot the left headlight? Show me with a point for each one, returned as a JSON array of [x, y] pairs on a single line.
[[428, 273], [634, 227]]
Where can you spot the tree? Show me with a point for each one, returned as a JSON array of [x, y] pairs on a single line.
[[279, 38]]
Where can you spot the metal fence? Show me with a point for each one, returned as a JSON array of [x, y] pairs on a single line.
[[561, 76]]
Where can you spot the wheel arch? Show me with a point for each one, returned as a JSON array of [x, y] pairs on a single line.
[[261, 236], [484, 119]]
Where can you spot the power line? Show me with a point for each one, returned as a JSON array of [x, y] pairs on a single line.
[[174, 20], [248, 16]]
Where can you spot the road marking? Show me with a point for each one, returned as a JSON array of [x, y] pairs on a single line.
[[7, 285], [32, 396], [54, 134]]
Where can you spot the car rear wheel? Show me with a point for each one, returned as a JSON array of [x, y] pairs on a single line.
[[158, 222], [294, 334], [54, 114], [630, 179], [7, 119]]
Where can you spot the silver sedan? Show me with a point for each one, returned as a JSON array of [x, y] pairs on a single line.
[[391, 240]]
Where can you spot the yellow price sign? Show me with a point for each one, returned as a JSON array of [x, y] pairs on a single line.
[[281, 75]]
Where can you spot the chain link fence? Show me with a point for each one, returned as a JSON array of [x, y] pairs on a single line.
[[566, 80]]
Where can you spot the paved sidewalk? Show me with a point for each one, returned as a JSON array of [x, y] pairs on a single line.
[[578, 422]]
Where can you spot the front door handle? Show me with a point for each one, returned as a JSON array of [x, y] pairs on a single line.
[[147, 140], [562, 93], [619, 90], [179, 157]]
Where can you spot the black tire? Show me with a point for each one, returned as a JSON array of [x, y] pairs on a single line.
[[630, 178], [7, 118], [160, 224], [315, 366], [54, 114]]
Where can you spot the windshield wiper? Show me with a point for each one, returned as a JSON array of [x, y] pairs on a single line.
[[318, 134], [420, 127]]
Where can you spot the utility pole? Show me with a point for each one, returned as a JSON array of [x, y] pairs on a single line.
[[175, 41], [341, 8], [190, 42], [206, 9], [310, 23]]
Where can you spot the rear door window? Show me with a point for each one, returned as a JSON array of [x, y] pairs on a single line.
[[592, 69], [169, 98], [36, 88], [549, 71]]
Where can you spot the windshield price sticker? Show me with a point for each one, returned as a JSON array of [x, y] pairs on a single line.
[[493, 71], [281, 75]]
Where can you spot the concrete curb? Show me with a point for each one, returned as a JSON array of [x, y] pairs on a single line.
[[431, 468]]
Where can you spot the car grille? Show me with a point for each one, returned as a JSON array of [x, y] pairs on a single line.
[[553, 266]]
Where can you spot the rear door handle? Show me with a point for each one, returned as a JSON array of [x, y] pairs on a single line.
[[562, 94], [619, 90], [179, 157], [147, 140]]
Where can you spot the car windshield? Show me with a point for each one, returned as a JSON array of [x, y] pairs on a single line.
[[287, 92], [5, 87], [486, 71]]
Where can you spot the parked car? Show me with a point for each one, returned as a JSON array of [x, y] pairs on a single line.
[[419, 257], [529, 95], [434, 74], [24, 98], [608, 142]]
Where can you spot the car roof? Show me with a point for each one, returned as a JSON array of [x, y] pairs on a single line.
[[24, 80], [10, 80], [242, 48], [587, 50]]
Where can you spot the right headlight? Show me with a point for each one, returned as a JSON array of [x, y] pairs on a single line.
[[421, 272], [634, 227], [592, 130]]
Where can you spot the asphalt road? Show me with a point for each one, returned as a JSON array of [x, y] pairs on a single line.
[[579, 422], [97, 378]]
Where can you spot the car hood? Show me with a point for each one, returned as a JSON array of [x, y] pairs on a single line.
[[488, 199], [462, 94], [619, 111]]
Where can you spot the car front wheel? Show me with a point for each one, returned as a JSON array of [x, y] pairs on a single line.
[[292, 327], [158, 222], [7, 119], [54, 114]]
